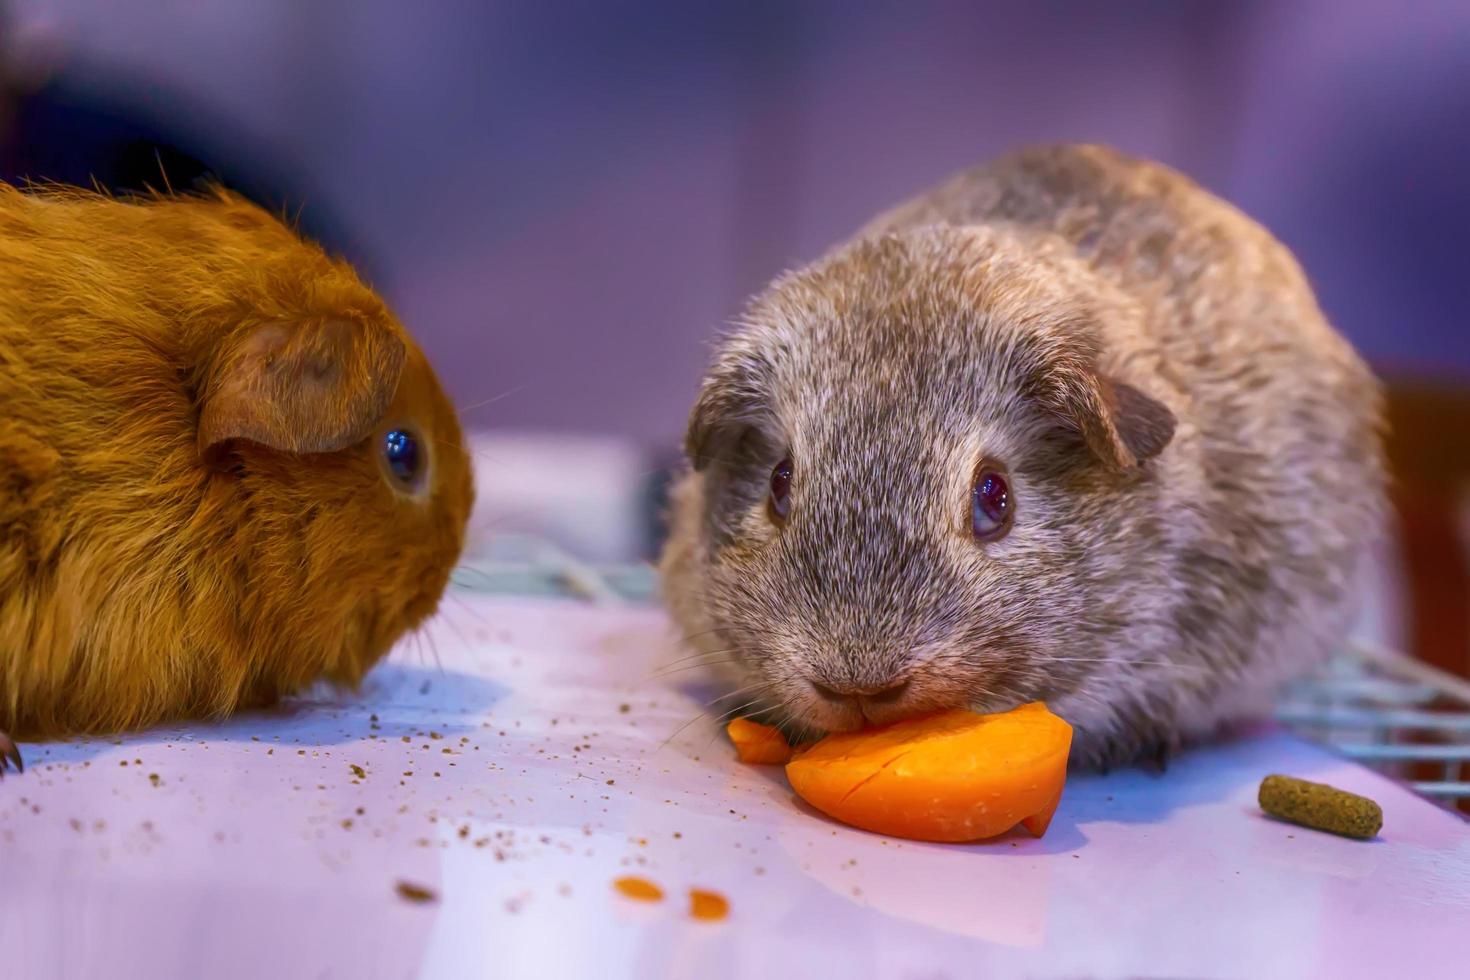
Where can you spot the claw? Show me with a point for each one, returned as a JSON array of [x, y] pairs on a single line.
[[10, 755]]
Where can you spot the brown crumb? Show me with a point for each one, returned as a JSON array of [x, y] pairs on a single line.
[[408, 891], [358, 771]]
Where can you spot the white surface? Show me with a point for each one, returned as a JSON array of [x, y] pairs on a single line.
[[238, 864]]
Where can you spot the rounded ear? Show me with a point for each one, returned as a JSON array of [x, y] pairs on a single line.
[[310, 387], [732, 401], [1120, 424], [705, 420]]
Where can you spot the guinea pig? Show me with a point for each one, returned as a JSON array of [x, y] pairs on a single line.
[[226, 471], [1066, 428]]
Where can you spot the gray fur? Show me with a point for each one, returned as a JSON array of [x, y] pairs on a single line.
[[1194, 456]]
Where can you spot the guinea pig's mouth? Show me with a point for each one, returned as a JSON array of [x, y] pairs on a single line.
[[423, 605], [816, 706]]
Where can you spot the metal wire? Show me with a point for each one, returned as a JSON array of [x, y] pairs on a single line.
[[1375, 706], [1391, 713]]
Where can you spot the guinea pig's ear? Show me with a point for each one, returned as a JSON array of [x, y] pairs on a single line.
[[729, 406], [312, 387], [705, 421], [1120, 424]]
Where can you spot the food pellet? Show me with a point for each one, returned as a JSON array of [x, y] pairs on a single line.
[[640, 889], [1320, 807], [706, 905]]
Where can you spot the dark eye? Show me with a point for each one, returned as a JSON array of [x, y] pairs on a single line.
[[780, 499], [402, 454], [990, 505]]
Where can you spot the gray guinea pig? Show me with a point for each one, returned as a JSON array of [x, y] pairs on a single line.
[[1065, 428]]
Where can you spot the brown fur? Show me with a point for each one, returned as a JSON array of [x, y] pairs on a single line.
[[193, 514], [1194, 456]]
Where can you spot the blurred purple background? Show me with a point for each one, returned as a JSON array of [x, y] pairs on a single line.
[[566, 200]]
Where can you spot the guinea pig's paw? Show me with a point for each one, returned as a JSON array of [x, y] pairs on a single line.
[[9, 755]]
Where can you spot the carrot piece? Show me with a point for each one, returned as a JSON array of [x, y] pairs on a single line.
[[951, 777], [640, 889], [757, 744], [707, 905]]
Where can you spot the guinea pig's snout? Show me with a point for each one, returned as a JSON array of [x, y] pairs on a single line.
[[845, 706]]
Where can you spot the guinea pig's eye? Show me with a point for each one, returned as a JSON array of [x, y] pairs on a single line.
[[779, 502], [403, 456], [990, 504]]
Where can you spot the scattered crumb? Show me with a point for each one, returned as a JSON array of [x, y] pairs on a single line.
[[358, 771], [408, 891]]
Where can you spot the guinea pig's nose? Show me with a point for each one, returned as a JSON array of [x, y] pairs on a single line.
[[872, 694]]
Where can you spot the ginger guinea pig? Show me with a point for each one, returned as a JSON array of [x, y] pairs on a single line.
[[1066, 428], [225, 469]]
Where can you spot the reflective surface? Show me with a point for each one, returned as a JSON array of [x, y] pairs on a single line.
[[521, 760]]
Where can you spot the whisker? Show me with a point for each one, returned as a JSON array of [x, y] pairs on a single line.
[[458, 632], [749, 631], [468, 609], [688, 667], [730, 695], [1124, 662], [491, 401], [695, 658], [704, 714]]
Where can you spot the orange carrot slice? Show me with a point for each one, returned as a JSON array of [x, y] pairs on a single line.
[[952, 777], [757, 744]]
